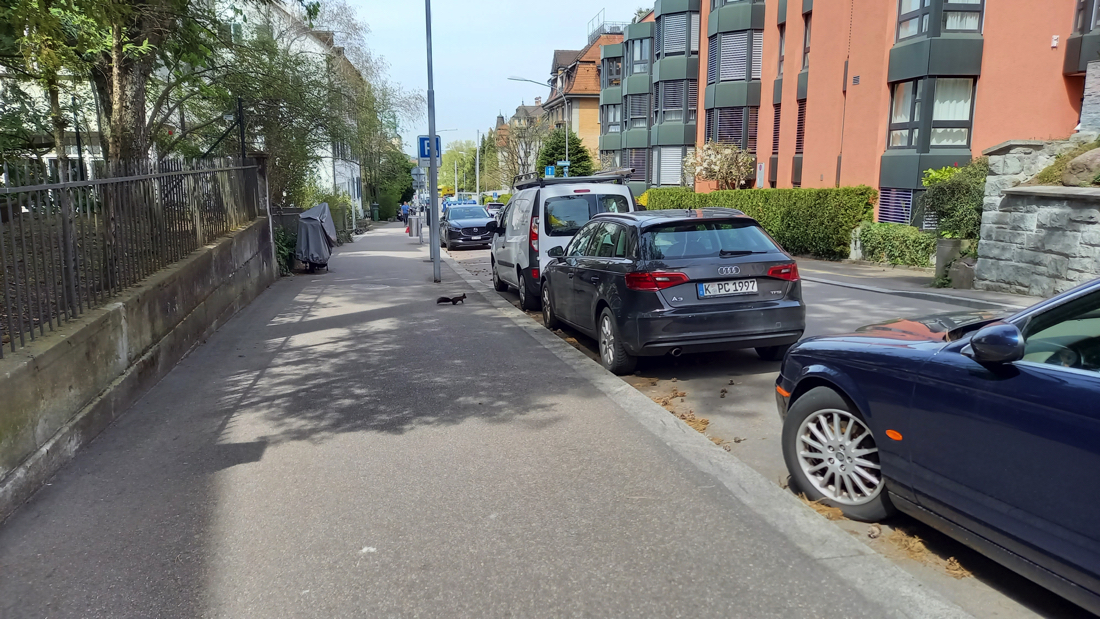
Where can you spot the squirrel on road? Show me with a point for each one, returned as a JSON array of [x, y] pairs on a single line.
[[452, 300]]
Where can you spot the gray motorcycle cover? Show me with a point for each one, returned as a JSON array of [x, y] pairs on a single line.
[[316, 235]]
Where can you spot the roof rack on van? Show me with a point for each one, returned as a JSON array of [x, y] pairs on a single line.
[[619, 176]]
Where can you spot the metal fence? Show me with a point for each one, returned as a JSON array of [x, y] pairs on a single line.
[[68, 247]]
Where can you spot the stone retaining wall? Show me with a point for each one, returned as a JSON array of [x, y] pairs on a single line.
[[1039, 241], [62, 390]]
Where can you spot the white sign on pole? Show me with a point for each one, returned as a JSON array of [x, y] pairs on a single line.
[[760, 176]]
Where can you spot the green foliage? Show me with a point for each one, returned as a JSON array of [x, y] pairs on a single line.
[[897, 244], [956, 199], [932, 177], [285, 245], [1052, 174], [816, 222], [504, 198], [553, 151]]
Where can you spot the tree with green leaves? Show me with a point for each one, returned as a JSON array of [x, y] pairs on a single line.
[[553, 151]]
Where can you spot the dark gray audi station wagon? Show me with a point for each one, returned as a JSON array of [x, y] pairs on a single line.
[[668, 282]]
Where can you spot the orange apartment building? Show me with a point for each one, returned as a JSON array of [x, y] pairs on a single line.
[[848, 92]]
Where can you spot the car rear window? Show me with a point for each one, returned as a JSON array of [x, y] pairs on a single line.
[[565, 215], [704, 238]]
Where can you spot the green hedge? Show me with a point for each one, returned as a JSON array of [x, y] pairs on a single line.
[[897, 244], [814, 222]]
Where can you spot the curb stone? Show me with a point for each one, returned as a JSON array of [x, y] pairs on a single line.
[[864, 569], [924, 296]]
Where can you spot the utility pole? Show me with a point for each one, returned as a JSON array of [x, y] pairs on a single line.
[[433, 169], [456, 177], [565, 103], [477, 167]]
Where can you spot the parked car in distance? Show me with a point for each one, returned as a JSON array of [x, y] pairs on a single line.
[[545, 213], [494, 208], [983, 427], [668, 282], [465, 226]]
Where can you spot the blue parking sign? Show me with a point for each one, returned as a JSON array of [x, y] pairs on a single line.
[[549, 170]]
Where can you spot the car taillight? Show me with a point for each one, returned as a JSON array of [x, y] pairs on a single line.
[[535, 232], [651, 282], [788, 272], [535, 273]]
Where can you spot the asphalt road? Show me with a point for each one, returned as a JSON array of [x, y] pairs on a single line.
[[745, 422]]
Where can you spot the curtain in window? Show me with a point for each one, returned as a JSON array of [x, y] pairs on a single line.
[[734, 51], [903, 103], [961, 20], [953, 97], [675, 27]]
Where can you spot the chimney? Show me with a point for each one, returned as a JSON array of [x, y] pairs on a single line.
[[538, 101]]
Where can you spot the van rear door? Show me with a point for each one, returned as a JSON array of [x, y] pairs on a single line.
[[564, 215]]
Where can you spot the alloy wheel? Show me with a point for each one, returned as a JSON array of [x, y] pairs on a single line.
[[547, 315], [838, 454], [607, 341]]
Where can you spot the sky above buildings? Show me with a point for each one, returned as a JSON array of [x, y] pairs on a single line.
[[477, 46]]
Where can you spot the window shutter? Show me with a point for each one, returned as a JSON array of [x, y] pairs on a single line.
[[731, 125], [895, 205], [754, 116], [757, 52], [710, 126], [675, 27], [712, 59], [657, 28], [734, 51], [694, 34], [674, 95], [693, 94], [775, 130], [638, 105], [637, 160], [672, 166], [800, 131]]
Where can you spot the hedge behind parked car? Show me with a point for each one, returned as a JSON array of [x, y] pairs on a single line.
[[815, 222]]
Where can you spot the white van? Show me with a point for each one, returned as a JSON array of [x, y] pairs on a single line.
[[545, 213]]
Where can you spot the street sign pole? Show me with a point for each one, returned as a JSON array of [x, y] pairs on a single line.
[[477, 166], [433, 169]]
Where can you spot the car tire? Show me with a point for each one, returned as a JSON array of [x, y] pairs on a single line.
[[549, 320], [773, 353], [527, 301], [612, 354], [498, 284], [818, 413]]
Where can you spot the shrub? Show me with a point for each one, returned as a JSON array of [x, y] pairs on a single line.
[[643, 199], [1052, 174], [815, 222], [504, 198], [955, 198], [897, 244], [286, 243]]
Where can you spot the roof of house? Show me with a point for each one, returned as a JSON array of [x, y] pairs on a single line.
[[584, 79], [564, 58]]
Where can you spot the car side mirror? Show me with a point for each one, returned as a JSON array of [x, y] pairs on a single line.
[[492, 227], [997, 343], [556, 252]]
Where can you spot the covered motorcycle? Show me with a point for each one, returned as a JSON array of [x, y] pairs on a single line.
[[316, 236]]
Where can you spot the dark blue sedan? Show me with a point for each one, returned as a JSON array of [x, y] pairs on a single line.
[[985, 428]]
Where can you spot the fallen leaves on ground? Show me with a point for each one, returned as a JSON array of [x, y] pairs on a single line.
[[956, 570], [911, 545], [699, 424], [830, 512]]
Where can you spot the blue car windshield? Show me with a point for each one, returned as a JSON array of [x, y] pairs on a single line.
[[467, 213], [704, 238]]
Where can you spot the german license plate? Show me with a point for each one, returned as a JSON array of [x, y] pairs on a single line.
[[475, 238], [725, 289]]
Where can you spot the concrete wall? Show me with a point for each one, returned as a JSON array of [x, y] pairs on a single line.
[[1039, 241], [63, 389]]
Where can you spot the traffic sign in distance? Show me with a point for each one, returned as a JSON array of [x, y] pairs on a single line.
[[549, 170], [424, 151]]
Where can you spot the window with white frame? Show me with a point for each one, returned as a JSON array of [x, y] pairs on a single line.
[[808, 19], [612, 74], [670, 171], [962, 16], [913, 16], [612, 118]]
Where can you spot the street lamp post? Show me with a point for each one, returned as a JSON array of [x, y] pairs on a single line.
[[565, 106], [433, 169]]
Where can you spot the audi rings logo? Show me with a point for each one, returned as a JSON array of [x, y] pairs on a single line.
[[729, 270]]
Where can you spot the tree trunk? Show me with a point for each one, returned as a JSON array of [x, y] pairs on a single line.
[[68, 254], [122, 89]]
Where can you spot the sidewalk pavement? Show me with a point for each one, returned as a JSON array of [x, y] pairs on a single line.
[[347, 447], [906, 282]]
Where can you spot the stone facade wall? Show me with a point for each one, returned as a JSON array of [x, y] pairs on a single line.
[[1039, 241], [1017, 161]]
